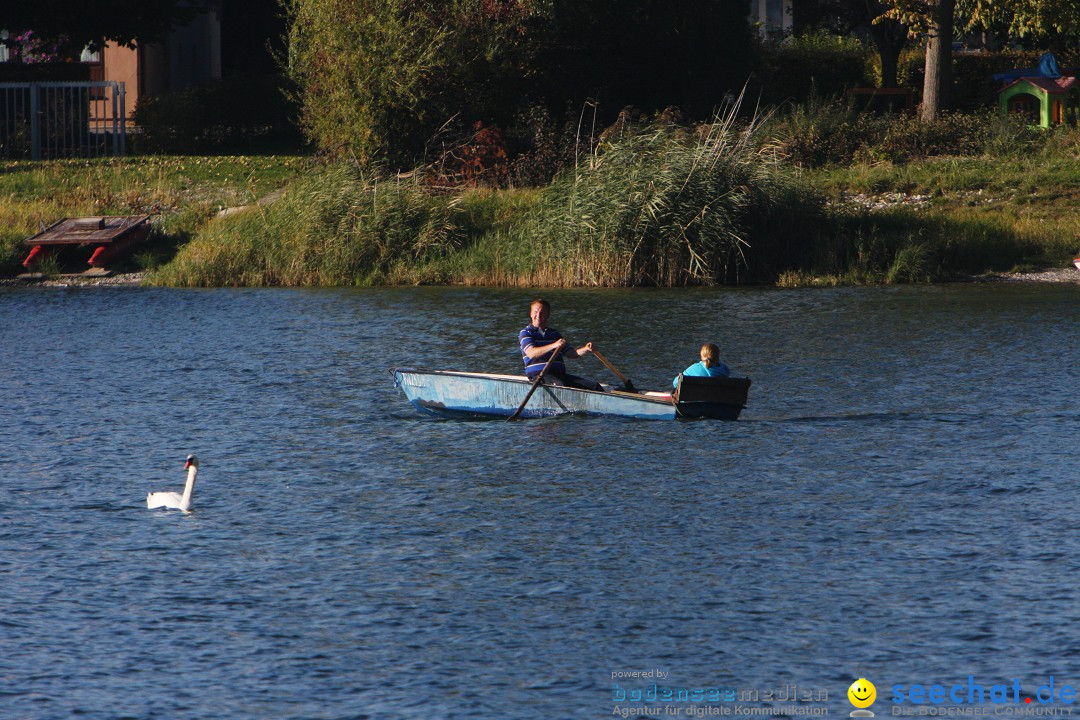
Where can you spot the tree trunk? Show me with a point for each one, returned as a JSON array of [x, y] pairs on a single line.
[[938, 59], [889, 37], [889, 40]]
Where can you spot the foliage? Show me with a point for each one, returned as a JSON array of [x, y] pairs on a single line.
[[650, 54], [540, 146], [818, 132], [936, 18], [846, 17], [659, 205], [906, 138], [973, 87], [65, 27], [239, 113], [366, 71], [825, 132], [389, 81], [1013, 206], [818, 63], [915, 14], [1022, 17], [32, 49]]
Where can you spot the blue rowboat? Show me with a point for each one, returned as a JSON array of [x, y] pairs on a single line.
[[464, 394]]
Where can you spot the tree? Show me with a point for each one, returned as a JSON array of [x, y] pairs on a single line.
[[648, 53], [938, 76], [889, 37], [1022, 17], [1047, 22], [935, 19], [845, 16], [379, 78], [71, 25]]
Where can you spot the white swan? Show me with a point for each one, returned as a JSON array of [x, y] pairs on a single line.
[[175, 500]]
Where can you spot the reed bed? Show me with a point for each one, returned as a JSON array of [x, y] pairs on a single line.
[[667, 206]]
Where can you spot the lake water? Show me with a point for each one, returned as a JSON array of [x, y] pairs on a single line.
[[898, 502]]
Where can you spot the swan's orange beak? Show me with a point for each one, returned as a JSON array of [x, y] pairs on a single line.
[[187, 464]]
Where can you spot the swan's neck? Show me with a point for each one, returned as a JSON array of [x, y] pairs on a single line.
[[189, 486]]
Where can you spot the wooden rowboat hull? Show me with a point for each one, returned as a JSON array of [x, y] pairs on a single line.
[[463, 394]]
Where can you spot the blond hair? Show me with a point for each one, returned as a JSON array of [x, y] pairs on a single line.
[[710, 354]]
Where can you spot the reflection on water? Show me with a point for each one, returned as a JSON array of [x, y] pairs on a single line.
[[897, 502]]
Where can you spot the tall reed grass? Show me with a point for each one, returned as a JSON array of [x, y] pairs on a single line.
[[666, 206]]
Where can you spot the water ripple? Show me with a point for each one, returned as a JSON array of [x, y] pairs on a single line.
[[897, 503]]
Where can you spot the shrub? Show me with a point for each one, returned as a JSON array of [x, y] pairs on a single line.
[[817, 132], [240, 114], [820, 132], [379, 79], [906, 137], [818, 64]]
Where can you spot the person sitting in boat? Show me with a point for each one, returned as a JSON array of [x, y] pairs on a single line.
[[538, 342], [710, 365]]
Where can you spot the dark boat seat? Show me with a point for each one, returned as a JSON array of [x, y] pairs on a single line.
[[729, 391]]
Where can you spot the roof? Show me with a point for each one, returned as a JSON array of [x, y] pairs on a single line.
[[1049, 85]]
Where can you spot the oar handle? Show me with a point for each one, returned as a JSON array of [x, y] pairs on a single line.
[[625, 381], [535, 384]]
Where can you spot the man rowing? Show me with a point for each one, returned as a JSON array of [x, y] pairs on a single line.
[[538, 343]]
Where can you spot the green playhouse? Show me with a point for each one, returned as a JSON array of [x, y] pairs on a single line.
[[1044, 94]]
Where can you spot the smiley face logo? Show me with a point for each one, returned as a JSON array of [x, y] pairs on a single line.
[[862, 693]]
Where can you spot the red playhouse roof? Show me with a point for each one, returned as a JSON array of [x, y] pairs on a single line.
[[1050, 85]]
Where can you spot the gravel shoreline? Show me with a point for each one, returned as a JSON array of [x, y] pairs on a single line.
[[1056, 275], [135, 278]]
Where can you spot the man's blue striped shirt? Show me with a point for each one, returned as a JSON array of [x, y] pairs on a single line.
[[533, 335]]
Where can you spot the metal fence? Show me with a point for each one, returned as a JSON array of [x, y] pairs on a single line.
[[44, 120]]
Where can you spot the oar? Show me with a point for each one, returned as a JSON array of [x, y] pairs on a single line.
[[625, 380], [536, 383]]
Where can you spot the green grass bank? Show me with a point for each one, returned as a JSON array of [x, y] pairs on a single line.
[[656, 205], [180, 193], [660, 206]]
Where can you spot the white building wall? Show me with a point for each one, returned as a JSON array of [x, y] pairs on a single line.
[[772, 16]]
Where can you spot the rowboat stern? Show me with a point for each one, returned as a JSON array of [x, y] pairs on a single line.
[[716, 398]]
